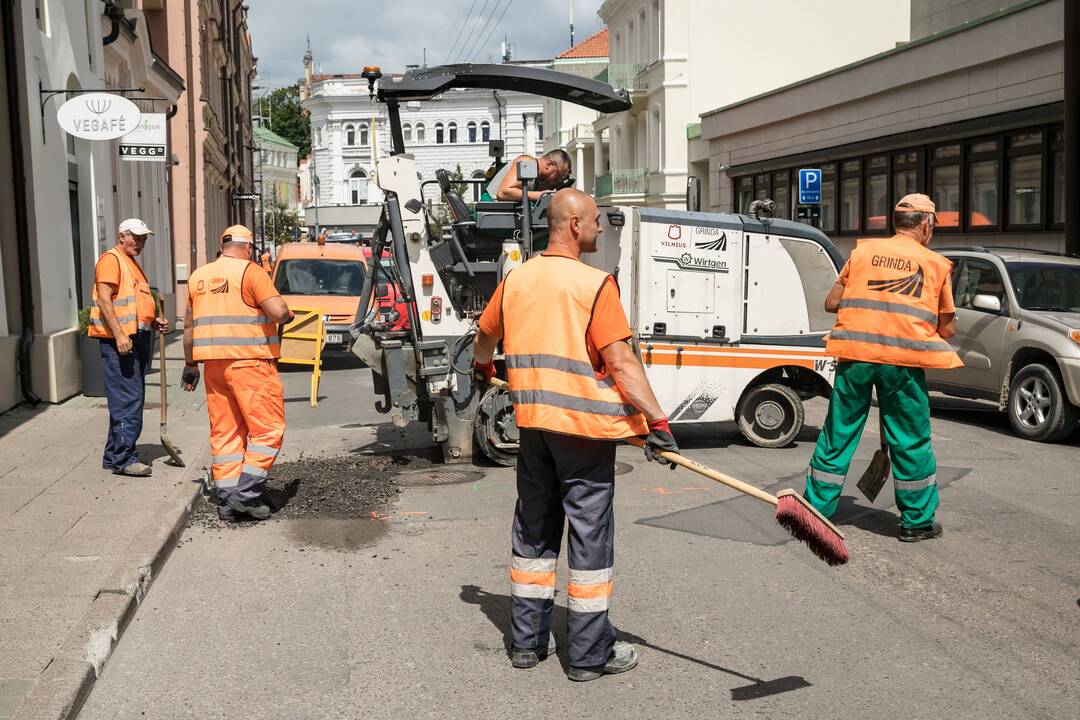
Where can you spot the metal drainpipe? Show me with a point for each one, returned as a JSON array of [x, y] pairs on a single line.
[[22, 222], [115, 13], [192, 96]]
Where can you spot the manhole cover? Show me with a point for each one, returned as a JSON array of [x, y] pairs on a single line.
[[438, 476], [622, 468]]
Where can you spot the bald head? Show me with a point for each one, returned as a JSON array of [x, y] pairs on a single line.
[[574, 221]]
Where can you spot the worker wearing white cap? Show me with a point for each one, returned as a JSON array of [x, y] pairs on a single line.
[[122, 317]]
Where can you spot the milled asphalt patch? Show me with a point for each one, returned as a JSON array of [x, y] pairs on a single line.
[[61, 690]]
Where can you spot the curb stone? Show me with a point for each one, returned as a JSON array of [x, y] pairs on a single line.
[[65, 684]]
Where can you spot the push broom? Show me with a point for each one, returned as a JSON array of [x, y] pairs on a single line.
[[793, 512]]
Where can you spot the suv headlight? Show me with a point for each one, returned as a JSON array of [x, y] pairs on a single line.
[[1074, 335]]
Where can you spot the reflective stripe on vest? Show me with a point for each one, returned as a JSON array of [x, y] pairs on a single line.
[[888, 313], [553, 383], [133, 304], [224, 327]]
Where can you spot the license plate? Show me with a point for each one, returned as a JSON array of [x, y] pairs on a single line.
[[333, 338]]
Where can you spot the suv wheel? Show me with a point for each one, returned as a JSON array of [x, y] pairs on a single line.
[[770, 416], [1039, 409]]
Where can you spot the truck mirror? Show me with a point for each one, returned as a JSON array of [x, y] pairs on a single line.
[[693, 193]]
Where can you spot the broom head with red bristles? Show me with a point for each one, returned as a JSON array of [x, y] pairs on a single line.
[[807, 525]]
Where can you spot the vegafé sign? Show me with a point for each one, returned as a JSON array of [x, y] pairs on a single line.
[[98, 116]]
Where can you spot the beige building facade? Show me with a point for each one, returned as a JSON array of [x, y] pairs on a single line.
[[970, 112]]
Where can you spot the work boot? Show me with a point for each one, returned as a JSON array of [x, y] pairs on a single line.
[[623, 658], [224, 512], [253, 508], [135, 469], [924, 533], [525, 659]]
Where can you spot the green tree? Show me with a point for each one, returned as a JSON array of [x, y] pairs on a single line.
[[440, 214], [286, 118], [282, 224]]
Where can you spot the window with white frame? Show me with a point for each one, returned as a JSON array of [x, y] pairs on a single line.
[[364, 135], [471, 127], [419, 133], [358, 184], [350, 135], [439, 133], [485, 131], [406, 132], [451, 131]]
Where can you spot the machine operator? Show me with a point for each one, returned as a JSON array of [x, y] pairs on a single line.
[[553, 169]]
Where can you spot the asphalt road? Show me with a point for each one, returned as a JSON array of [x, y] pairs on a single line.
[[406, 616]]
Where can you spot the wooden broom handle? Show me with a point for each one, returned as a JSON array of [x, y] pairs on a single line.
[[689, 464]]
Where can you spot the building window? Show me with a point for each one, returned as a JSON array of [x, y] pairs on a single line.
[[1057, 167], [419, 133], [406, 132], [364, 139], [472, 131], [945, 185], [540, 127], [358, 182], [781, 194], [744, 194], [982, 177], [485, 131], [438, 133], [1025, 195], [761, 187], [350, 136], [850, 191], [876, 205], [905, 173], [451, 131]]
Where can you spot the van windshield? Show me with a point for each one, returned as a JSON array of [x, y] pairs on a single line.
[[1053, 287], [319, 276]]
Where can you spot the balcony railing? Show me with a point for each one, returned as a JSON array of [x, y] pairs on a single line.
[[622, 182], [580, 132], [625, 76]]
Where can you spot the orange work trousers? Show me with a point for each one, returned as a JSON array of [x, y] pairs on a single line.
[[247, 424]]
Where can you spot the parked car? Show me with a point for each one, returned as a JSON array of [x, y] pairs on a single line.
[[328, 278], [1018, 334]]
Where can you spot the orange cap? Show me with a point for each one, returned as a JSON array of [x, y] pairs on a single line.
[[917, 202], [237, 233]]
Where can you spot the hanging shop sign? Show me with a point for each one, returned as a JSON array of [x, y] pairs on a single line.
[[146, 143], [98, 116]]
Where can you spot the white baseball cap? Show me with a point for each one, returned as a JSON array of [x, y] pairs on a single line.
[[135, 226]]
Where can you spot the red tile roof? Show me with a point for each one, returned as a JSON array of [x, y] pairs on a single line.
[[591, 47]]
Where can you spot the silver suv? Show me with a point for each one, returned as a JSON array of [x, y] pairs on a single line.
[[1018, 333]]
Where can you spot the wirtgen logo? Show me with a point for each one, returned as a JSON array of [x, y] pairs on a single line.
[[719, 243], [909, 285]]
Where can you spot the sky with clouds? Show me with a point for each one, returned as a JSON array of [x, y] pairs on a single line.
[[348, 34]]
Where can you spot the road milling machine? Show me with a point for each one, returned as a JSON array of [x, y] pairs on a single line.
[[726, 309]]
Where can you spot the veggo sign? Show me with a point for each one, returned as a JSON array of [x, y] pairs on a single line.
[[98, 116], [146, 143]]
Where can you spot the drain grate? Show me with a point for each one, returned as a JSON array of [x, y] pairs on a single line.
[[438, 476]]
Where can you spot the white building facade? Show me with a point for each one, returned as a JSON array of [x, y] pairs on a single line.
[[450, 131], [76, 191], [680, 58]]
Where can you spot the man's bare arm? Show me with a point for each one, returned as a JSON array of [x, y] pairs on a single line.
[[189, 336], [946, 326], [832, 300], [510, 187], [276, 309], [629, 375], [484, 347]]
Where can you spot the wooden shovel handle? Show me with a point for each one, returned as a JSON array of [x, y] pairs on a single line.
[[689, 464], [161, 362]]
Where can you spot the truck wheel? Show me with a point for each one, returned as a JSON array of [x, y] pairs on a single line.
[[1039, 409], [770, 416], [495, 431]]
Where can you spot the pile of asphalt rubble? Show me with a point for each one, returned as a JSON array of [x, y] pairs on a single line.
[[337, 488]]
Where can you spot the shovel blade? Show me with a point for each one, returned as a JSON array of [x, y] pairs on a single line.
[[876, 474], [174, 454]]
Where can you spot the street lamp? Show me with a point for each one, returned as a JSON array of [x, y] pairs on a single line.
[[315, 181]]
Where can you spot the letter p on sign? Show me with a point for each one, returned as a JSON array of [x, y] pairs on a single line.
[[809, 186]]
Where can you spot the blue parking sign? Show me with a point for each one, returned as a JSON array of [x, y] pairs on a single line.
[[809, 186]]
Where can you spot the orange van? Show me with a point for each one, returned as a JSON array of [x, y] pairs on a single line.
[[329, 278]]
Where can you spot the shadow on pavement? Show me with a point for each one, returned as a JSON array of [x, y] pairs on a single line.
[[697, 436], [983, 415], [496, 609]]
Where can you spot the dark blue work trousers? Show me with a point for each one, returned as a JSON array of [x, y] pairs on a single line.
[[563, 479], [125, 389]]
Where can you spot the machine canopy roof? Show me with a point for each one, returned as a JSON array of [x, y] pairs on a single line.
[[425, 83]]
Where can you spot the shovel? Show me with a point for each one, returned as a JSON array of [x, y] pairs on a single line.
[[877, 473], [174, 454]]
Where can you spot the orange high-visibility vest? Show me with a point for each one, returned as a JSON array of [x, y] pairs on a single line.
[[133, 302], [889, 310], [547, 305], [224, 327]]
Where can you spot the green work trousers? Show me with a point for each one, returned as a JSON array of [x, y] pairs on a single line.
[[905, 413]]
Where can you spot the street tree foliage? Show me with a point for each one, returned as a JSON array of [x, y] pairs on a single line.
[[286, 118], [282, 224], [440, 214]]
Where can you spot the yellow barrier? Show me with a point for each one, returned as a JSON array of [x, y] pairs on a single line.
[[302, 341]]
